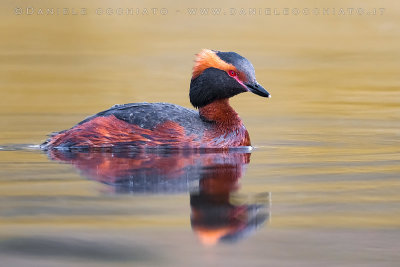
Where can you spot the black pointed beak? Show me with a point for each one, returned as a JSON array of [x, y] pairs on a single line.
[[257, 89]]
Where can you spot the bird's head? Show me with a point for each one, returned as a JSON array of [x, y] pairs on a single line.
[[220, 75]]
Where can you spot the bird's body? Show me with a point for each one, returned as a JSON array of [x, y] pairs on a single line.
[[151, 125], [147, 125]]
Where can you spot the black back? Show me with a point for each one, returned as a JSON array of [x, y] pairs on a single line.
[[149, 115]]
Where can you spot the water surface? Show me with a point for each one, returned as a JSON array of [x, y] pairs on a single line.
[[320, 188]]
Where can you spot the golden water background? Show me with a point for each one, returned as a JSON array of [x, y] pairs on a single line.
[[327, 142]]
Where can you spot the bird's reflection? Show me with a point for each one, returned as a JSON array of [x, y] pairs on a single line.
[[218, 212]]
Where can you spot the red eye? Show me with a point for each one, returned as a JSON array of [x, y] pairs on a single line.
[[232, 73]]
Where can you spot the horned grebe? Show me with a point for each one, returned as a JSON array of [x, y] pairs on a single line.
[[217, 76]]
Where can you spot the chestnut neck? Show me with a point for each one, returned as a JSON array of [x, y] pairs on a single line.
[[221, 113]]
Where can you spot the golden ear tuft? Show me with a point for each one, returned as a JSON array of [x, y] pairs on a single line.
[[207, 58]]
